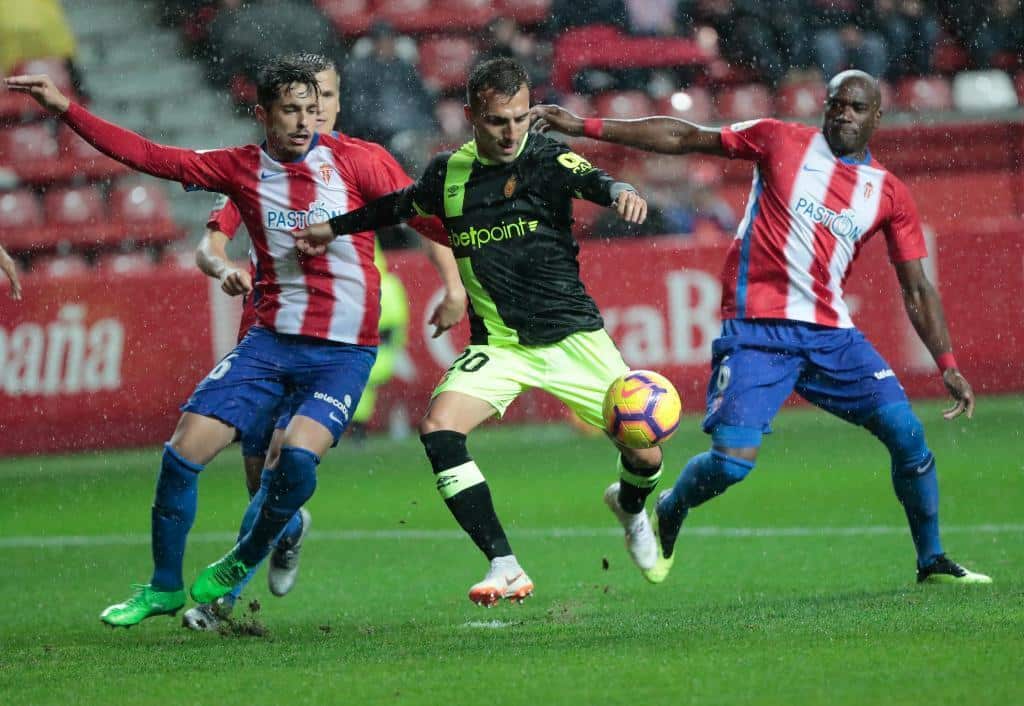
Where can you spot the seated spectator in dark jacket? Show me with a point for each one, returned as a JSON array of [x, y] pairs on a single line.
[[910, 30], [839, 40], [382, 95]]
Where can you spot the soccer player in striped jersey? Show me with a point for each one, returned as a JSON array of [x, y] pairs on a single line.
[[211, 257], [316, 332], [817, 197]]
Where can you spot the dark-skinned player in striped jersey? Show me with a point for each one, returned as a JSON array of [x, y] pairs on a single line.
[[505, 199]]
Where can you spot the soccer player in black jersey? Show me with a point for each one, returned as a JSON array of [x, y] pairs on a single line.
[[506, 201]]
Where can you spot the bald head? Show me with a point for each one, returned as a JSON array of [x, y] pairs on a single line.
[[865, 81], [853, 109]]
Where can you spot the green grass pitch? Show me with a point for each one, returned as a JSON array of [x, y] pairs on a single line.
[[796, 587]]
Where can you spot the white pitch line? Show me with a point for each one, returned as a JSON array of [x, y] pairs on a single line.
[[58, 541]]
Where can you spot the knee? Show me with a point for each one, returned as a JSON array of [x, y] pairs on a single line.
[[298, 469], [901, 431], [643, 458], [444, 448], [730, 468]]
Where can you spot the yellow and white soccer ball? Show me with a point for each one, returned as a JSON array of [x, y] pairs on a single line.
[[641, 409]]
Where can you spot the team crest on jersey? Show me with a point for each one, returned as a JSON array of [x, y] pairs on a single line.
[[510, 186], [868, 188], [325, 173]]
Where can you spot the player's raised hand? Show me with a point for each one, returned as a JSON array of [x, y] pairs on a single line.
[[40, 87], [235, 281], [554, 117], [9, 269], [631, 207], [963, 395], [449, 312]]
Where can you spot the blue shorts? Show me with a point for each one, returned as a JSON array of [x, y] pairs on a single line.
[[755, 365], [268, 375], [256, 442]]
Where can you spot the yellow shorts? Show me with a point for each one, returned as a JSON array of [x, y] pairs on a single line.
[[577, 370]]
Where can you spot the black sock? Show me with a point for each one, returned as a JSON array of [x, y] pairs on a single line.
[[635, 484], [465, 491]]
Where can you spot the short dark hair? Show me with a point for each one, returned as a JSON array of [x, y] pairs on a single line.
[[316, 62], [502, 74], [280, 73]]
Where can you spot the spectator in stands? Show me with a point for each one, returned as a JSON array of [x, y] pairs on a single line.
[[567, 14], [652, 17], [33, 30], [989, 29], [245, 35], [910, 29], [505, 38], [383, 95], [765, 36], [840, 42], [8, 267]]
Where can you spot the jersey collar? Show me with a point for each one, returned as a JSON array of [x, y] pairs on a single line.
[[854, 162]]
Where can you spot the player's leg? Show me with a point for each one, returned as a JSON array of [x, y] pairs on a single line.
[[753, 371], [849, 378], [328, 379], [227, 400], [482, 382], [578, 371]]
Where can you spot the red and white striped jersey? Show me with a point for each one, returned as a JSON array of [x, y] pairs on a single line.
[[334, 296], [226, 218], [808, 215]]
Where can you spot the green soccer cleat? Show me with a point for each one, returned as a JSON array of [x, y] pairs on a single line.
[[219, 578], [144, 603], [663, 564], [945, 570]]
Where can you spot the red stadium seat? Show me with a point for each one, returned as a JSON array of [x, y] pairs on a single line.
[[61, 266], [525, 12], [349, 17], [55, 68], [426, 16], [924, 93], [693, 104], [142, 209], [1019, 82], [804, 99], [452, 119], [77, 216], [120, 263], [32, 152], [21, 218], [745, 102], [949, 56], [578, 104], [445, 61], [623, 104]]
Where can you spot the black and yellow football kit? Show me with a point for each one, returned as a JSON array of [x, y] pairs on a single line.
[[509, 227]]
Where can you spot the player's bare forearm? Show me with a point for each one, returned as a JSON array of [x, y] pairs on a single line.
[[211, 254], [654, 134], [452, 307], [212, 260], [924, 308], [10, 270]]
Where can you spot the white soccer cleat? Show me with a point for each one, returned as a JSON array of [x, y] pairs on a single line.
[[284, 561], [505, 579], [640, 540], [205, 617]]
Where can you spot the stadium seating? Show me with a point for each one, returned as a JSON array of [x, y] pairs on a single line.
[[31, 152], [348, 17], [800, 100], [745, 102], [693, 104], [61, 265], [76, 216], [924, 93], [623, 104], [120, 263], [80, 160], [983, 91], [21, 220], [142, 212], [525, 12], [445, 61]]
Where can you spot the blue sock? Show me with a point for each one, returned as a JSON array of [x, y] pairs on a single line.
[[288, 489], [174, 511], [291, 531], [913, 475]]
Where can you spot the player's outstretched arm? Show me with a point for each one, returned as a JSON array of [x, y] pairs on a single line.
[[654, 134], [11, 271], [924, 308], [212, 260], [386, 211], [186, 166]]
